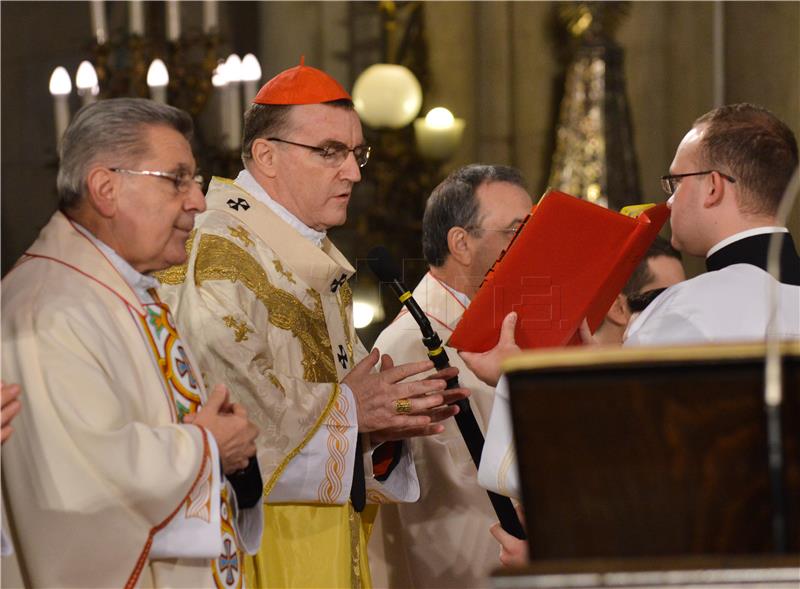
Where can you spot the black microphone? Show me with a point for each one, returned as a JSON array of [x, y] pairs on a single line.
[[382, 264]]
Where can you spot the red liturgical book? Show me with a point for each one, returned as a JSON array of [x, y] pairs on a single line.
[[568, 261]]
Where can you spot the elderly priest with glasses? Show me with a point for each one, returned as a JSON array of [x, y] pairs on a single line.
[[266, 292], [117, 475]]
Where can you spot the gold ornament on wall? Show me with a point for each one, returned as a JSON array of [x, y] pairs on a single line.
[[594, 155]]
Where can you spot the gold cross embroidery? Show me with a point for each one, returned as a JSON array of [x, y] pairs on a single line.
[[281, 270], [240, 329], [241, 234]]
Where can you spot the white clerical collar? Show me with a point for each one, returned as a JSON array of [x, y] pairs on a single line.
[[744, 234], [140, 283], [245, 180], [460, 296]]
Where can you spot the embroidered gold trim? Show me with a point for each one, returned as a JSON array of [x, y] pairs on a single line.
[[240, 329], [177, 274], [311, 433], [345, 299], [241, 234], [276, 383], [221, 259], [354, 519], [331, 487], [281, 270], [317, 299]]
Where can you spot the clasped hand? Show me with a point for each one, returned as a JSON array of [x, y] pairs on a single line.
[[376, 394], [234, 433]]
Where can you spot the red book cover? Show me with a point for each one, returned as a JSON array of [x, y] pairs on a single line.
[[568, 261]]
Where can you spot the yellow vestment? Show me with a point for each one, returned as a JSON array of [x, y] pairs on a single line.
[[271, 315]]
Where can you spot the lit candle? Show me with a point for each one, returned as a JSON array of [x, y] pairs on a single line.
[[173, 20], [210, 16], [438, 134], [99, 21], [157, 80], [251, 76], [60, 87], [86, 82], [233, 73], [136, 17]]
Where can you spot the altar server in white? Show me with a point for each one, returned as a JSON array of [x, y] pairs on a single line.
[[725, 184]]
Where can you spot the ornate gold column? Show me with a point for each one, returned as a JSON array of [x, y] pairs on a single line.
[[594, 154]]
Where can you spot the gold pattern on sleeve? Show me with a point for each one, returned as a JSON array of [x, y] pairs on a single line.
[[276, 474], [280, 269], [177, 274], [240, 329], [241, 234], [221, 259], [345, 300], [338, 445]]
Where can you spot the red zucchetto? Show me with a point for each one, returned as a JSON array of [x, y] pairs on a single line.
[[301, 84]]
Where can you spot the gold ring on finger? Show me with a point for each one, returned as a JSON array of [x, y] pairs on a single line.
[[402, 406]]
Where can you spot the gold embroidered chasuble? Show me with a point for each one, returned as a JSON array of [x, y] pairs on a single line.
[[273, 314], [99, 472]]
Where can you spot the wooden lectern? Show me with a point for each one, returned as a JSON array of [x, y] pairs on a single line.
[[653, 452]]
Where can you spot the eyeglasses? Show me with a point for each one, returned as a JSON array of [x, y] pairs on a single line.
[[670, 182], [334, 154], [508, 231], [182, 180]]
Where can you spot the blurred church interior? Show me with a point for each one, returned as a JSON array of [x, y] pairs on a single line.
[[508, 71]]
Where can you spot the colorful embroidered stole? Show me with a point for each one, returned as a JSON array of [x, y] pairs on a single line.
[[182, 382]]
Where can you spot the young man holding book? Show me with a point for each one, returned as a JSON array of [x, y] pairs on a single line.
[[727, 179]]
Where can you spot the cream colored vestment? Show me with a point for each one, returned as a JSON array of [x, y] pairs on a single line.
[[271, 315], [99, 474], [443, 540]]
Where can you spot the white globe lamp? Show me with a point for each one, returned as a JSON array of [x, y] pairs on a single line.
[[387, 95]]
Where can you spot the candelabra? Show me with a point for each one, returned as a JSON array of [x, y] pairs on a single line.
[[157, 57]]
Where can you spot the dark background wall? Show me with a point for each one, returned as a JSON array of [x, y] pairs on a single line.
[[493, 63]]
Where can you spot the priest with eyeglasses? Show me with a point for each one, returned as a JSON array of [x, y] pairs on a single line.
[[267, 294], [123, 471]]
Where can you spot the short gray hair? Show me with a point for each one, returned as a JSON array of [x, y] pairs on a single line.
[[453, 204], [113, 132]]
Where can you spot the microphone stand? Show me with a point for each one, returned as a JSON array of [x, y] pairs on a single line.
[[465, 418], [773, 374]]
